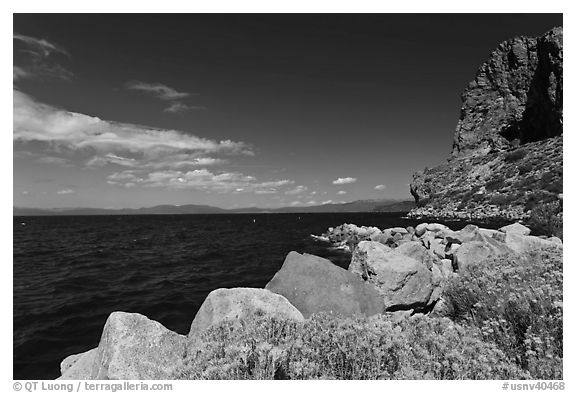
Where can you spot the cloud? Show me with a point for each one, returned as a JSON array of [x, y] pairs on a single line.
[[53, 160], [344, 180], [297, 190], [311, 202], [19, 73], [65, 191], [198, 179], [118, 143], [341, 192], [40, 46], [39, 60], [295, 203], [157, 90], [178, 107], [327, 202], [380, 187]]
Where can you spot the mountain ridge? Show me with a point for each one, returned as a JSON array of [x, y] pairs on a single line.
[[371, 205]]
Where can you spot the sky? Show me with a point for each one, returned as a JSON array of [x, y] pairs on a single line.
[[227, 110]]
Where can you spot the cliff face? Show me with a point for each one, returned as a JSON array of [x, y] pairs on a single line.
[[515, 98], [507, 149]]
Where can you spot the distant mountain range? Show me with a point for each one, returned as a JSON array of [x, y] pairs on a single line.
[[380, 205]]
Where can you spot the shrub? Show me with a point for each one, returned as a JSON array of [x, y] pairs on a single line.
[[515, 155], [547, 219], [495, 184], [329, 347], [516, 302]]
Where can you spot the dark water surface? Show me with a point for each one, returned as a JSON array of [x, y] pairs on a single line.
[[70, 273]]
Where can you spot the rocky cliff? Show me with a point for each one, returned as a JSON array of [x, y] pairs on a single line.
[[507, 149]]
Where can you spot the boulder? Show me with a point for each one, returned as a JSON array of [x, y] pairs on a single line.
[[516, 228], [420, 229], [555, 239], [467, 234], [400, 230], [478, 251], [427, 238], [446, 268], [522, 243], [438, 248], [436, 227], [403, 282], [131, 347], [79, 366], [241, 303], [313, 284], [417, 251]]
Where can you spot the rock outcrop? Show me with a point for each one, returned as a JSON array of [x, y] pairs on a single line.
[[515, 98], [402, 281], [313, 284], [507, 148], [240, 303], [131, 347]]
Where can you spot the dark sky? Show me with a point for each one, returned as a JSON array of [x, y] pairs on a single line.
[[240, 110]]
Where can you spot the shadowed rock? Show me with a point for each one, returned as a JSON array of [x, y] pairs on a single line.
[[313, 284]]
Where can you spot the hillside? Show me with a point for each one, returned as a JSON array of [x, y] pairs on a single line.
[[507, 150]]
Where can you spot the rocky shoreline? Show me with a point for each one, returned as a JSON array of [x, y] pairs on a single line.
[[394, 271]]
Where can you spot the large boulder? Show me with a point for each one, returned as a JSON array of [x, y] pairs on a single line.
[[131, 347], [478, 251], [313, 284], [403, 282], [522, 244], [516, 228], [241, 303], [417, 251]]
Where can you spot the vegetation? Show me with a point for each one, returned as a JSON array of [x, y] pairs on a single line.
[[504, 322], [516, 302], [329, 347], [547, 219], [515, 155]]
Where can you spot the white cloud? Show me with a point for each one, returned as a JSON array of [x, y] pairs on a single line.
[[40, 46], [178, 107], [311, 202], [341, 192], [380, 187], [53, 160], [38, 59], [327, 202], [158, 90], [19, 73], [118, 143], [198, 179], [65, 191], [295, 203], [297, 190], [344, 180]]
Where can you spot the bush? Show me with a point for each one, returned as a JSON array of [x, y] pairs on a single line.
[[515, 155], [516, 302], [547, 219], [329, 347]]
